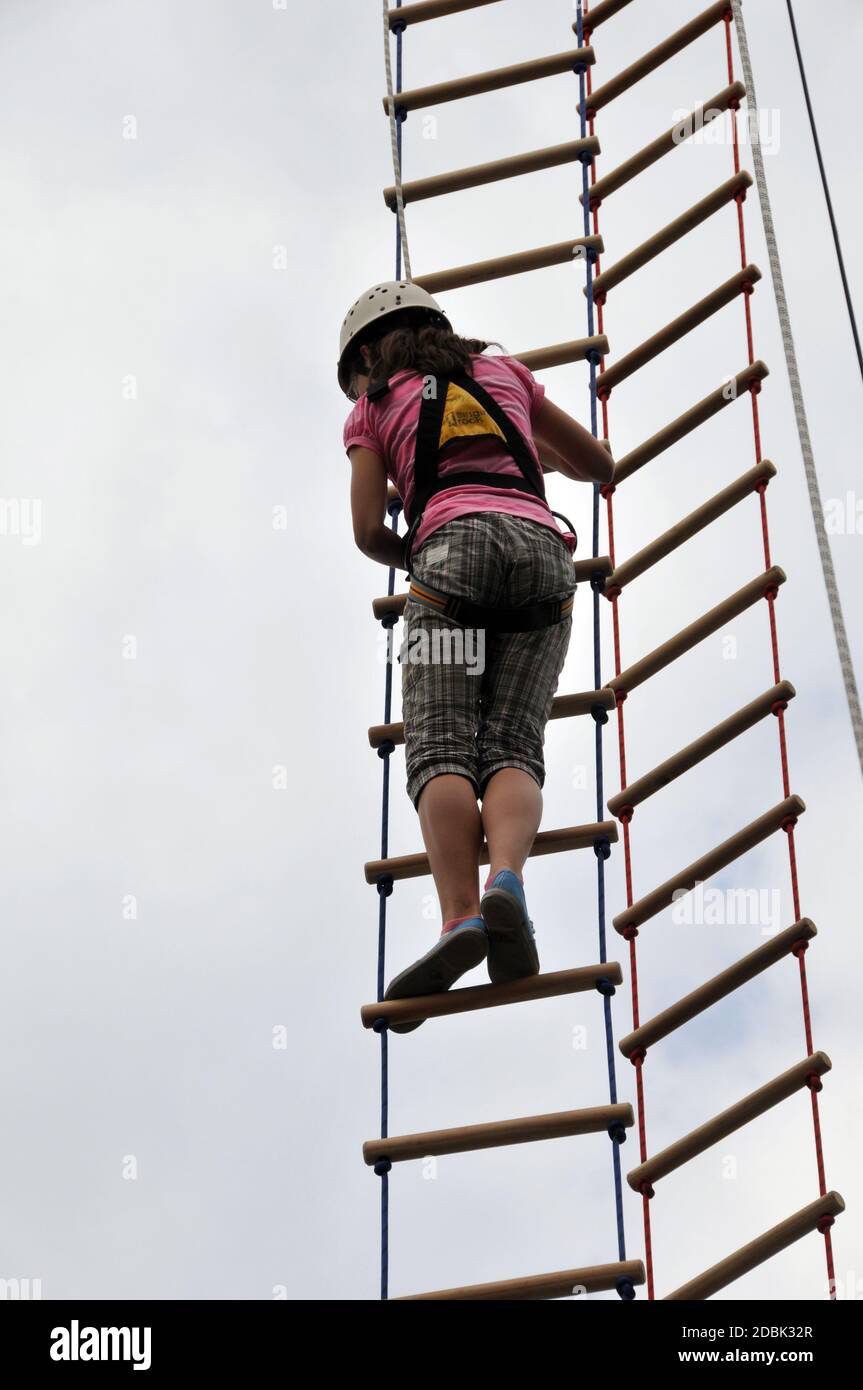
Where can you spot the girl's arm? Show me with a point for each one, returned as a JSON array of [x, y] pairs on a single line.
[[368, 508], [568, 447], [550, 462]]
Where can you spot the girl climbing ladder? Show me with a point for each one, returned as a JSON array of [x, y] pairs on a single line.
[[465, 439]]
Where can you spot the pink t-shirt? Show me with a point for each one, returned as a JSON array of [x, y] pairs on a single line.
[[388, 427]]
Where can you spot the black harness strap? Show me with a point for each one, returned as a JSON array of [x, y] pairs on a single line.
[[427, 447], [428, 481], [527, 617]]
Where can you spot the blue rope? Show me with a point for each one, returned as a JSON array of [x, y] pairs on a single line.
[[385, 888], [597, 657], [385, 885]]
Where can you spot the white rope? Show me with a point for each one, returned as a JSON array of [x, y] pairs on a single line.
[[397, 168], [827, 569]]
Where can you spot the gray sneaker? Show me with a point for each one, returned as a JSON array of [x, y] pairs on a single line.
[[458, 950]]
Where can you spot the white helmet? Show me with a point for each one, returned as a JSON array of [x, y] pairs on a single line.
[[377, 303]]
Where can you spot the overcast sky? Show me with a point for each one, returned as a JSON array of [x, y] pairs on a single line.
[[191, 198]]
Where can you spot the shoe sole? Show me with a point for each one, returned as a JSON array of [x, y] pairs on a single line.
[[512, 952], [438, 970]]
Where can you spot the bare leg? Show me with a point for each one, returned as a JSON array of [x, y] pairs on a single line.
[[452, 831], [511, 813]]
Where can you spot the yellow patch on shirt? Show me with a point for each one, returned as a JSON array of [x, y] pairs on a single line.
[[463, 416]]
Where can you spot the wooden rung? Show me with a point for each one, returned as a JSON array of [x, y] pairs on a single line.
[[389, 603], [460, 1001], [678, 328], [559, 353], [602, 12], [563, 707], [526, 1129], [478, 82], [432, 9], [663, 144], [379, 734], [721, 985], [566, 706], [689, 526], [710, 864], [668, 235], [700, 748], [500, 266], [648, 62], [696, 632], [750, 1256], [734, 1118], [546, 842], [479, 174], [561, 1284], [584, 571], [607, 9], [736, 388]]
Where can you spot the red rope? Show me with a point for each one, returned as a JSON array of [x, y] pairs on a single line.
[[783, 754], [774, 645], [621, 749], [765, 531], [638, 1059], [610, 519], [774, 641], [633, 974], [795, 889]]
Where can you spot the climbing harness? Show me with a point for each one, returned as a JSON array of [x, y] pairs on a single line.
[[529, 617], [454, 410]]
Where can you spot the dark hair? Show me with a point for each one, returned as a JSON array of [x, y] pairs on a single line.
[[415, 344]]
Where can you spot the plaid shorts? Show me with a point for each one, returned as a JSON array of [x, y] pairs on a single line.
[[475, 701]]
